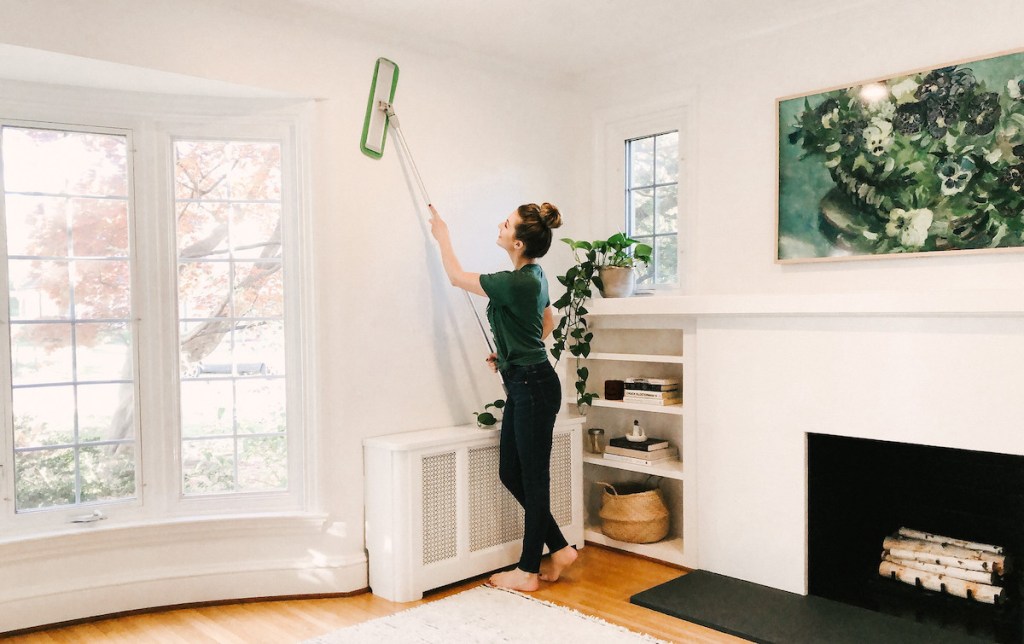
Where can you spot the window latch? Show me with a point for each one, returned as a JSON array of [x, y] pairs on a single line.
[[94, 516]]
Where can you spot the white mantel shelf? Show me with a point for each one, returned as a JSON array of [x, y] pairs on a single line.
[[981, 303]]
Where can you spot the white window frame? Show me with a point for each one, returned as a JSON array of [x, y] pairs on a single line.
[[153, 127], [614, 129]]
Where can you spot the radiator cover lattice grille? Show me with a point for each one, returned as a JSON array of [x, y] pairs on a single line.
[[440, 507], [495, 517]]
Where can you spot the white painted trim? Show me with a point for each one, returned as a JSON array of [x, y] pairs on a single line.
[[184, 584], [612, 128]]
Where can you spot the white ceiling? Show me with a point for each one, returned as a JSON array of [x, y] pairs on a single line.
[[575, 37]]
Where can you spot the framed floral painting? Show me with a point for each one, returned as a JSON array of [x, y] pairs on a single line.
[[926, 162]]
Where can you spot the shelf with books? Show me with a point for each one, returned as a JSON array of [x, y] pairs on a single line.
[[670, 469], [659, 352]]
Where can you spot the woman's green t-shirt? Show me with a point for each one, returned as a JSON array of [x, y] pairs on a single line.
[[516, 313]]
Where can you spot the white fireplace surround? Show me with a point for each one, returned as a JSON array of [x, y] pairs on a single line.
[[942, 369]]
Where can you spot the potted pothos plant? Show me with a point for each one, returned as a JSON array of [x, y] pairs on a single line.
[[608, 265]]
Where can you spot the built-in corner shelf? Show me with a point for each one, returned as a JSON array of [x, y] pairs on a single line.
[[641, 346]]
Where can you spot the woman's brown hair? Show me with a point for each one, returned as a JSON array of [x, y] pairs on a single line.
[[535, 228]]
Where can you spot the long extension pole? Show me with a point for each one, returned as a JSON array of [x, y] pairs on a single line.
[[389, 110]]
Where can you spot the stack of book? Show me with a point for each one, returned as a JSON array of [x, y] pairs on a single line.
[[653, 391], [649, 452]]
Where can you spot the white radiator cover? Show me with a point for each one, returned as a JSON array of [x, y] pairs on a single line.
[[436, 512]]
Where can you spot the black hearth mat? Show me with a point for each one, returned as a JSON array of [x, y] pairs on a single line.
[[764, 614]]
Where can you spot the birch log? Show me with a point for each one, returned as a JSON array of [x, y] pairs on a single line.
[[940, 583], [977, 576], [938, 538], [946, 555]]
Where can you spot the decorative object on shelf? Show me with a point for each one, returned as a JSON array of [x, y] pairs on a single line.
[[572, 333], [637, 435], [926, 162], [595, 440], [634, 513], [649, 445], [487, 420], [613, 389]]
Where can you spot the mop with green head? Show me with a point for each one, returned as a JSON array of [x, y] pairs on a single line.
[[380, 117]]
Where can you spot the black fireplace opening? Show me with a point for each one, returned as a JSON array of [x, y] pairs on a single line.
[[861, 491]]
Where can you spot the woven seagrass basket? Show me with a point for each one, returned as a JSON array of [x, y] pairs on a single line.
[[633, 513]]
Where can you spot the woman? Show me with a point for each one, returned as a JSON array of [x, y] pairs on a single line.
[[520, 315]]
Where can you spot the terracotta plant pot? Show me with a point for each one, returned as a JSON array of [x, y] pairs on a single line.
[[618, 281]]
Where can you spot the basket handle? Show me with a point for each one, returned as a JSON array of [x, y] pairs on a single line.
[[608, 486]]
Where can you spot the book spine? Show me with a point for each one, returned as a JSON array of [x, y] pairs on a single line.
[[635, 453], [652, 394], [622, 443], [654, 401], [645, 386]]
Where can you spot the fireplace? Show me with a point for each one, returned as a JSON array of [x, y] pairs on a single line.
[[861, 491]]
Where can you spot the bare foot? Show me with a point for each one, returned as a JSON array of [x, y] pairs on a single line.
[[516, 579], [552, 569]]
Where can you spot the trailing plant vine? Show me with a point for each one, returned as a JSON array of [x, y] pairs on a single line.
[[572, 333]]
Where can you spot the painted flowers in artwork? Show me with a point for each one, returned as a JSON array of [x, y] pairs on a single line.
[[928, 162]]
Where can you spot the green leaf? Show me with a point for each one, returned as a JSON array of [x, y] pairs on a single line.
[[485, 418], [583, 373]]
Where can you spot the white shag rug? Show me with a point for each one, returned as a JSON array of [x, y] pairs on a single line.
[[486, 615]]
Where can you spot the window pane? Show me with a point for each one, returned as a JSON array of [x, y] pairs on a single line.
[[203, 230], [641, 162], [259, 291], [105, 412], [204, 289], [44, 416], [261, 406], [104, 352], [99, 227], [45, 478], [42, 289], [40, 353], [262, 344], [667, 250], [67, 223], [35, 225], [667, 209], [666, 161], [263, 464], [102, 289], [645, 275], [256, 174], [256, 231], [208, 466], [61, 162], [232, 315], [641, 212], [206, 408], [107, 471]]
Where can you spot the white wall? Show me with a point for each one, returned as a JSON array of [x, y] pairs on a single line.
[[397, 347], [763, 382], [734, 86]]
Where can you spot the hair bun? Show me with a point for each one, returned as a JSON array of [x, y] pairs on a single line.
[[550, 216]]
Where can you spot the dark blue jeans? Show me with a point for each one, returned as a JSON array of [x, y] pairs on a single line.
[[524, 465]]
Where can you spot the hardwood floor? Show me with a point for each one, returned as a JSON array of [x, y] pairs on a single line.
[[600, 584]]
